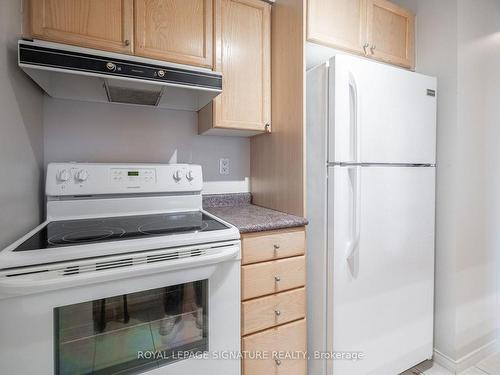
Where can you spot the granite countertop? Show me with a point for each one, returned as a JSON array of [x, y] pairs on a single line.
[[238, 210]]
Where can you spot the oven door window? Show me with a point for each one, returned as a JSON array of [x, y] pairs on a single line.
[[132, 333]]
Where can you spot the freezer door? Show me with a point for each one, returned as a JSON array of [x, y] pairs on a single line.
[[380, 268], [380, 114]]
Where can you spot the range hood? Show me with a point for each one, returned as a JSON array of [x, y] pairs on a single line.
[[69, 72]]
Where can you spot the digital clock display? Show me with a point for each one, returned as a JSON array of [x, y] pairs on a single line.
[[133, 173]]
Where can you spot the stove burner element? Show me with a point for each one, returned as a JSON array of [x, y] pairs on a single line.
[[86, 235]]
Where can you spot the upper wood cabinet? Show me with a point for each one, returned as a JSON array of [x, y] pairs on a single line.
[[378, 29], [243, 55], [175, 30], [99, 24], [337, 23], [391, 32], [229, 36]]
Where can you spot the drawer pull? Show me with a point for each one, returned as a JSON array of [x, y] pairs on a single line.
[[277, 278], [277, 312], [276, 246], [278, 362]]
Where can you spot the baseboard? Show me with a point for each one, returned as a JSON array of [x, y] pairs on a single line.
[[444, 361], [467, 361]]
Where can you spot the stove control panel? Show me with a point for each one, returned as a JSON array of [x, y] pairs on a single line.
[[66, 179], [133, 176]]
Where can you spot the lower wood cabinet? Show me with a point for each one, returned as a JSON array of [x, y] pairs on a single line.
[[273, 308], [287, 339]]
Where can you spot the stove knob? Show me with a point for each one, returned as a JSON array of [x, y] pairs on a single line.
[[111, 66], [190, 176], [161, 73], [82, 175], [177, 176], [63, 175]]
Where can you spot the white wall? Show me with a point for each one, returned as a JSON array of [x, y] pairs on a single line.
[[437, 55], [478, 109], [102, 132], [459, 42], [20, 135]]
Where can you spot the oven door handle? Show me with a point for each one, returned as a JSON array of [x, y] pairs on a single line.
[[56, 279]]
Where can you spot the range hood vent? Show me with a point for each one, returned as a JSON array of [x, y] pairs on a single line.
[[69, 72], [131, 94]]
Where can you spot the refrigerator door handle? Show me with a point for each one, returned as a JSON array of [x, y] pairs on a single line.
[[355, 227], [353, 119]]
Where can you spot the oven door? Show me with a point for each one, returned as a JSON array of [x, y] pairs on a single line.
[[179, 318]]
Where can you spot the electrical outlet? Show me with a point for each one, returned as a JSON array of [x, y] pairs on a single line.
[[224, 166]]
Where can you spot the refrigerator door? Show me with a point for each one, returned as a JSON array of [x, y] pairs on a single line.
[[380, 114], [380, 268]]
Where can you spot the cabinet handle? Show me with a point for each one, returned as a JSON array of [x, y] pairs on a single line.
[[127, 42], [278, 362], [372, 48], [277, 312], [276, 246], [365, 46], [267, 128], [277, 278]]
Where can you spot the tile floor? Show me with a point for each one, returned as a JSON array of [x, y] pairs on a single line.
[[489, 366]]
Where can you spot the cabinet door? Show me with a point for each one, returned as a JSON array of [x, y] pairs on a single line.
[[179, 31], [100, 24], [391, 33], [337, 23], [243, 49]]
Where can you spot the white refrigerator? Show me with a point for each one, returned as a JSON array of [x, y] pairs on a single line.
[[371, 152]]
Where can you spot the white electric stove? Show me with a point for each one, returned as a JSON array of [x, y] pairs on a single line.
[[127, 275]]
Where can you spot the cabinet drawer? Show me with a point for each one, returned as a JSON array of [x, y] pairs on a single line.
[[272, 277], [266, 312], [287, 338], [263, 246]]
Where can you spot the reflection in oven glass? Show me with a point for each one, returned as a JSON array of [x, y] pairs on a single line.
[[107, 336]]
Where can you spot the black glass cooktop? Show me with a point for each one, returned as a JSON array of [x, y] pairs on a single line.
[[88, 231]]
